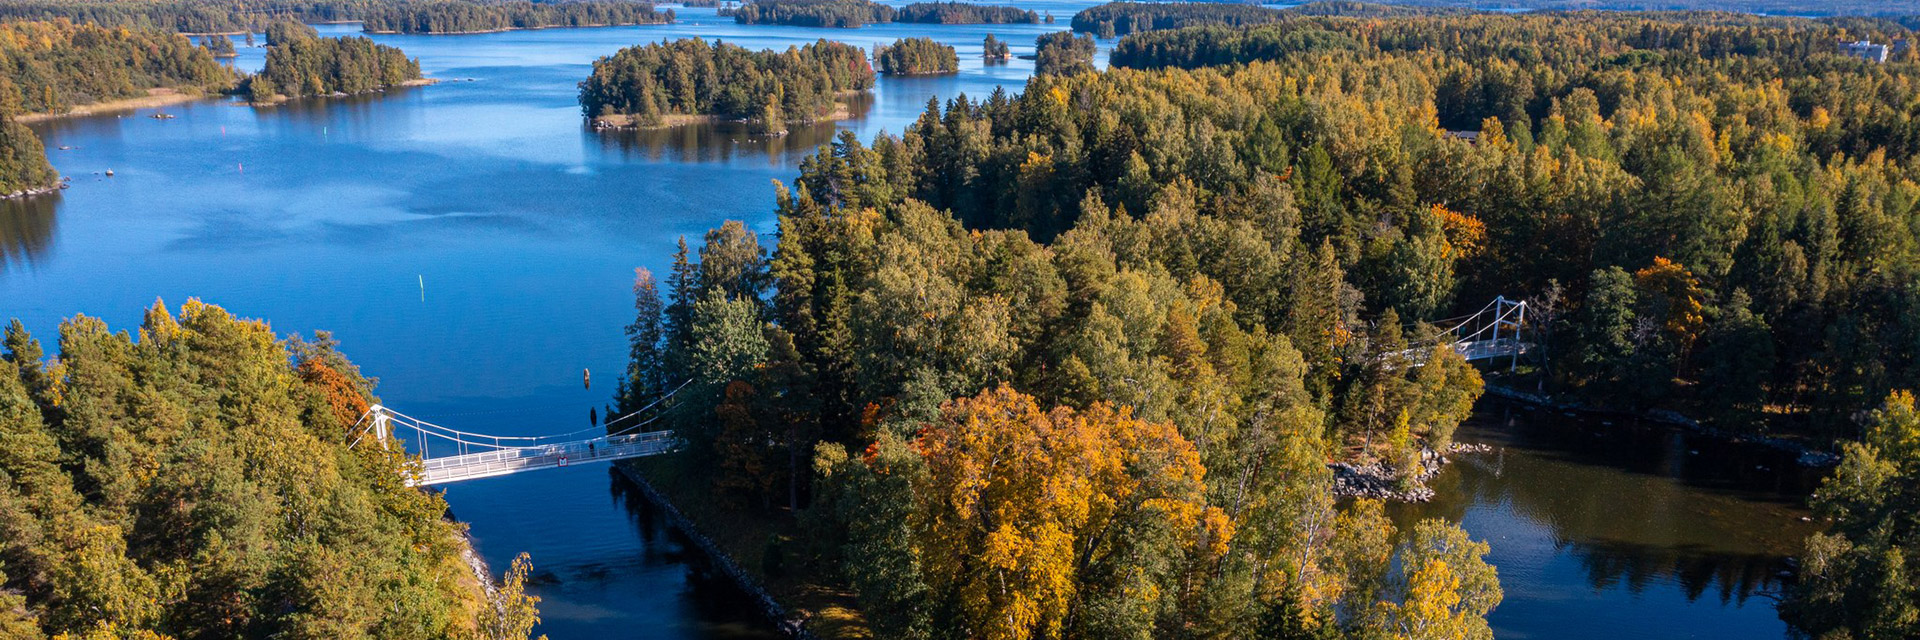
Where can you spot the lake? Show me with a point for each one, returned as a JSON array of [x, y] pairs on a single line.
[[472, 244]]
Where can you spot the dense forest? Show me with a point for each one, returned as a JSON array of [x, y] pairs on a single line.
[[403, 16], [1071, 363], [300, 63], [915, 56], [995, 49], [811, 13], [1122, 18], [1886, 8], [55, 66], [1062, 52], [648, 84], [964, 13], [197, 482], [474, 17]]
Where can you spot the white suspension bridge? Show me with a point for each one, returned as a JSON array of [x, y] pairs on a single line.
[[1495, 331], [451, 455]]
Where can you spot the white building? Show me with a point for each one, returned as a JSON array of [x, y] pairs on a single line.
[[1866, 50]]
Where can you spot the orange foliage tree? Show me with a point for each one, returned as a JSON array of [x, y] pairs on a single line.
[[1022, 508]]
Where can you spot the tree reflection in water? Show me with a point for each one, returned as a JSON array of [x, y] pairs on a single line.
[[26, 230], [1633, 505]]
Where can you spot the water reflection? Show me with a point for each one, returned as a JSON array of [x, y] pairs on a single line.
[[723, 142], [26, 231], [1609, 523], [723, 611]]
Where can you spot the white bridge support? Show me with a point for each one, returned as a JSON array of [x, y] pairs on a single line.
[[449, 455], [1495, 331]]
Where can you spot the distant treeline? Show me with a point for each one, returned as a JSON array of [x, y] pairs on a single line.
[[299, 63], [911, 56], [1884, 8], [404, 16], [471, 17], [55, 66], [811, 13], [964, 13], [690, 77], [1063, 53], [1122, 18]]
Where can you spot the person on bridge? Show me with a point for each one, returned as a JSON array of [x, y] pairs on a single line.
[[590, 450]]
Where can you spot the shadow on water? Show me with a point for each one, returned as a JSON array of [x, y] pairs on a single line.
[[26, 230], [721, 609]]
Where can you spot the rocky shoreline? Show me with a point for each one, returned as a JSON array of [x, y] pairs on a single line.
[[1379, 481], [1804, 455], [28, 193]]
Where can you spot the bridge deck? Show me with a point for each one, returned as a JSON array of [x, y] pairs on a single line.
[[505, 461]]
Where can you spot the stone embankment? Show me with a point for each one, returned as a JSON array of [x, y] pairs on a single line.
[[722, 564]]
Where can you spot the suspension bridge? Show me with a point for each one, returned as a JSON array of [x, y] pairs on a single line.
[[450, 455], [1495, 331]]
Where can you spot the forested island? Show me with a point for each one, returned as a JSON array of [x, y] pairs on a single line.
[[480, 17], [300, 63], [220, 46], [1062, 52], [689, 79], [995, 49], [1122, 18], [964, 13], [811, 13], [198, 483], [916, 56]]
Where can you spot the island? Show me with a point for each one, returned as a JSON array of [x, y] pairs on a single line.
[[300, 63], [446, 18], [964, 13], [811, 13], [995, 50], [690, 80], [916, 56]]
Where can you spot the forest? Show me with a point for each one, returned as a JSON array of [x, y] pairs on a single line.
[[1885, 8], [55, 66], [1121, 18], [300, 63], [1175, 289], [652, 83], [811, 13], [964, 13], [1062, 52], [916, 56], [51, 67], [478, 17], [397, 16], [194, 479]]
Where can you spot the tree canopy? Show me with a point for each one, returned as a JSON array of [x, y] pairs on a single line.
[[692, 77], [915, 56], [194, 479], [811, 13]]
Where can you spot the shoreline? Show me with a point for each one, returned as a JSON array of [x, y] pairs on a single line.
[[283, 99], [39, 191], [783, 621], [1806, 456], [506, 29], [155, 98], [624, 122]]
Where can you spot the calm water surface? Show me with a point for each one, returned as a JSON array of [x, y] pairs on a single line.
[[525, 228]]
